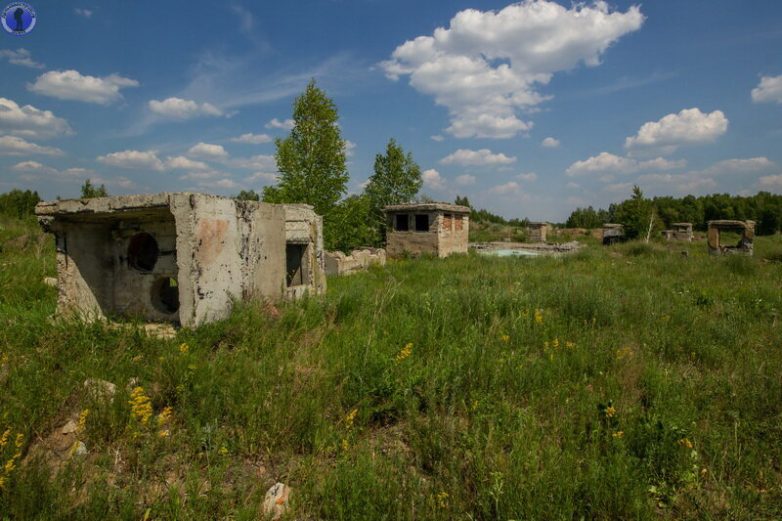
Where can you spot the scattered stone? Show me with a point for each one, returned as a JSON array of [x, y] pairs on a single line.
[[162, 331], [79, 449], [100, 389], [337, 263], [69, 428], [50, 281], [276, 501]]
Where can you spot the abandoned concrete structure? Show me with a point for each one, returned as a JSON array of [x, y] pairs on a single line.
[[679, 232], [172, 257], [537, 231], [745, 230], [427, 228], [337, 263], [304, 260], [613, 233]]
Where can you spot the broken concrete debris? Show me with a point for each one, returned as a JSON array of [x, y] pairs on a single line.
[[745, 230], [180, 257], [275, 503], [679, 232], [438, 229], [337, 263]]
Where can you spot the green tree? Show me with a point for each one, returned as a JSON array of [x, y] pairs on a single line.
[[89, 190], [397, 179], [352, 226], [311, 160], [18, 203], [462, 201], [636, 213], [248, 195]]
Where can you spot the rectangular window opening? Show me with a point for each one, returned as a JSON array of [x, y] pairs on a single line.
[[295, 260], [401, 223], [421, 223]]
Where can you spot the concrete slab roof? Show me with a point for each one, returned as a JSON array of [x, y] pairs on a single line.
[[427, 207]]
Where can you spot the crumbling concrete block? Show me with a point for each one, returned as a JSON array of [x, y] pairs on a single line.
[[745, 246], [613, 233], [304, 255], [438, 229], [679, 232], [169, 257], [537, 231], [337, 263]]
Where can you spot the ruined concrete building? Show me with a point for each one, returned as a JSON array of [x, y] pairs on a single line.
[[179, 257], [337, 263], [613, 233], [745, 230], [679, 232], [427, 228], [537, 231]]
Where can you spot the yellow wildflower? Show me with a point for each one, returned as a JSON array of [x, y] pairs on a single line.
[[2, 483], [405, 352], [570, 345], [82, 426], [223, 451], [610, 411], [505, 338], [555, 343], [136, 359], [184, 348], [165, 433], [474, 405], [442, 499], [141, 406], [345, 444], [350, 417], [165, 416], [538, 316], [9, 466], [4, 438], [685, 442], [618, 434], [624, 352], [19, 440]]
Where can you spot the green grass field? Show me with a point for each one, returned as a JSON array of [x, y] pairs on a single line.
[[630, 382]]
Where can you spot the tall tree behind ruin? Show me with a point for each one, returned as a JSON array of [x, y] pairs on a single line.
[[311, 160], [396, 180]]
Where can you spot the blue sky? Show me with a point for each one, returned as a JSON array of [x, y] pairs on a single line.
[[529, 109]]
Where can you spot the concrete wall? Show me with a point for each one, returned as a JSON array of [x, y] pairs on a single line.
[[337, 263], [304, 227], [210, 252]]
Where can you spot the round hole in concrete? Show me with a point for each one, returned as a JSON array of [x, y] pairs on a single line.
[[165, 295], [143, 252]]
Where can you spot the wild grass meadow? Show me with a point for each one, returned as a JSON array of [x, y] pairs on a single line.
[[630, 382]]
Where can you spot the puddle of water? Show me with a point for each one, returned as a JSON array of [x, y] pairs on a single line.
[[507, 252]]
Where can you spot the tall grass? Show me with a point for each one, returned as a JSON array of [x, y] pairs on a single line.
[[619, 383]]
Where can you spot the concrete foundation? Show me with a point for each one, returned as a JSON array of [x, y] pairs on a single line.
[[438, 229], [337, 263], [679, 232], [537, 232], [176, 257]]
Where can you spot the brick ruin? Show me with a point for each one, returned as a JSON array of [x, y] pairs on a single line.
[[437, 229], [745, 230]]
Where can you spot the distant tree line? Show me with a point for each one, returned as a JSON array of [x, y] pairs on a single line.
[[485, 216], [18, 204]]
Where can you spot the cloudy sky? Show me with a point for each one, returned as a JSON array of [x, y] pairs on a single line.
[[530, 109]]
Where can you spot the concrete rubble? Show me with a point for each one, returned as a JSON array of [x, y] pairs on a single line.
[[180, 258], [337, 263], [438, 229]]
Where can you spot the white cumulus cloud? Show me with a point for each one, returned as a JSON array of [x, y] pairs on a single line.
[[488, 65], [771, 182], [252, 139], [689, 126], [207, 151], [482, 157], [31, 122], [465, 180], [284, 125], [530, 177], [72, 85], [550, 142], [607, 163], [432, 179], [16, 146], [768, 90], [20, 57], [509, 188], [184, 163], [135, 159], [178, 108]]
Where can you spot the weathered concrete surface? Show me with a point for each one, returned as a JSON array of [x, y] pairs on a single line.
[[169, 257], [537, 231], [613, 233], [337, 263], [432, 228], [305, 262], [679, 232], [745, 245]]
